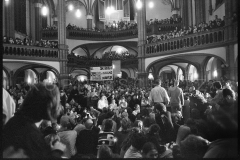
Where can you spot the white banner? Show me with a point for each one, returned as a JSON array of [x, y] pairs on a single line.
[[104, 73]]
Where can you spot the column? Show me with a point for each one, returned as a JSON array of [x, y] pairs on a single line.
[[141, 21], [190, 17], [89, 21], [55, 20], [231, 69], [201, 73], [184, 10], [9, 18], [32, 21], [38, 19], [229, 9], [63, 48], [200, 11], [28, 24]]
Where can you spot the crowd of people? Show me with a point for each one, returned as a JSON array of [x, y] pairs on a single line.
[[170, 20], [113, 55], [91, 120], [28, 42], [120, 25], [180, 32]]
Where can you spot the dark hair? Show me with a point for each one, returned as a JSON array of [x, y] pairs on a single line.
[[138, 140], [104, 152], [228, 92], [104, 110], [193, 146], [147, 122], [154, 128], [41, 102], [160, 107], [217, 85], [148, 147], [109, 114], [108, 125]]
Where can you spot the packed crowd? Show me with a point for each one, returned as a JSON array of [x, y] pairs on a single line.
[[170, 20], [116, 121], [202, 27], [122, 25], [113, 55], [28, 42], [51, 28]]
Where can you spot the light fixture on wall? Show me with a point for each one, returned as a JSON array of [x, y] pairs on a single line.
[[28, 80], [139, 4], [70, 7], [113, 66], [44, 11], [215, 74], [151, 4], [78, 13], [151, 78], [110, 10]]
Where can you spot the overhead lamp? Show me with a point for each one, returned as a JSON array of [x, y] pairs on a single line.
[[6, 0], [44, 10], [151, 4], [70, 7], [150, 76], [139, 4], [119, 50], [78, 13], [113, 66], [215, 74]]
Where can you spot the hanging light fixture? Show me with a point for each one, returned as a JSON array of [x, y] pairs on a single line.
[[44, 11], [139, 4], [70, 7], [151, 4], [78, 13]]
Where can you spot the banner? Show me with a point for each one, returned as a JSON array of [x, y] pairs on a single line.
[[104, 73]]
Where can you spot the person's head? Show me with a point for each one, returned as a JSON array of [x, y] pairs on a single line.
[[126, 124], [191, 89], [88, 124], [149, 150], [113, 101], [104, 110], [138, 124], [110, 114], [154, 129], [193, 146], [41, 102], [138, 140], [159, 81], [217, 85], [108, 125], [104, 152], [75, 87], [137, 107], [160, 107], [228, 83], [229, 95], [103, 97]]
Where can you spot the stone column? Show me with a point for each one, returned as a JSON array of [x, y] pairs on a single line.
[[32, 21], [184, 9], [200, 11], [9, 18], [28, 24], [89, 21], [38, 19], [230, 69], [229, 9], [63, 48], [141, 21], [55, 20], [190, 18]]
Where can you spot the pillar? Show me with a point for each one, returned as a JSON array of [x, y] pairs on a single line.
[[38, 19], [28, 24], [55, 20], [9, 18], [63, 48], [89, 21], [229, 9], [32, 34], [141, 21], [200, 11], [190, 16], [231, 69], [184, 12]]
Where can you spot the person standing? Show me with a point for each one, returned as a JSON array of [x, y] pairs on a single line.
[[176, 97], [159, 95]]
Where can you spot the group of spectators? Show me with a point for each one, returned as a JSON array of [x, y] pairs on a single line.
[[202, 27], [113, 55], [170, 20], [105, 121], [51, 28], [120, 25], [28, 42]]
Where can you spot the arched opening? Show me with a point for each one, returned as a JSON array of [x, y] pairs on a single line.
[[124, 75], [51, 77], [81, 78], [30, 77], [192, 73], [213, 69], [167, 74], [5, 80]]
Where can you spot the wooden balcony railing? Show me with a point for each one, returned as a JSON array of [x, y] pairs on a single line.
[[186, 42], [106, 36], [14, 51], [74, 61]]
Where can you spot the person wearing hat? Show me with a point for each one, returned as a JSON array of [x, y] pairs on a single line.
[[87, 139]]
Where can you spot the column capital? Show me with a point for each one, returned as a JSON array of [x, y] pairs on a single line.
[[38, 5], [89, 17]]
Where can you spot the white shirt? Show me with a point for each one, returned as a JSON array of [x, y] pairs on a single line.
[[102, 104], [159, 94], [9, 105]]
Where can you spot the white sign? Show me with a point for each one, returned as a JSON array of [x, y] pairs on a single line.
[[104, 73]]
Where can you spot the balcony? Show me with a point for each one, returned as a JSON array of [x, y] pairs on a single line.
[[109, 36], [13, 51], [202, 40], [73, 61], [129, 62]]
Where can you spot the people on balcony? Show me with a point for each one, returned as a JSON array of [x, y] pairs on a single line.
[[170, 20], [180, 32], [28, 42]]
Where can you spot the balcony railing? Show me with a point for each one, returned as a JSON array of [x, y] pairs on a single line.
[[189, 41], [29, 52], [74, 61], [111, 35]]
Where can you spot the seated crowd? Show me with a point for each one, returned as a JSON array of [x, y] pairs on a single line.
[[116, 121], [116, 56], [28, 42], [170, 20], [180, 32]]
